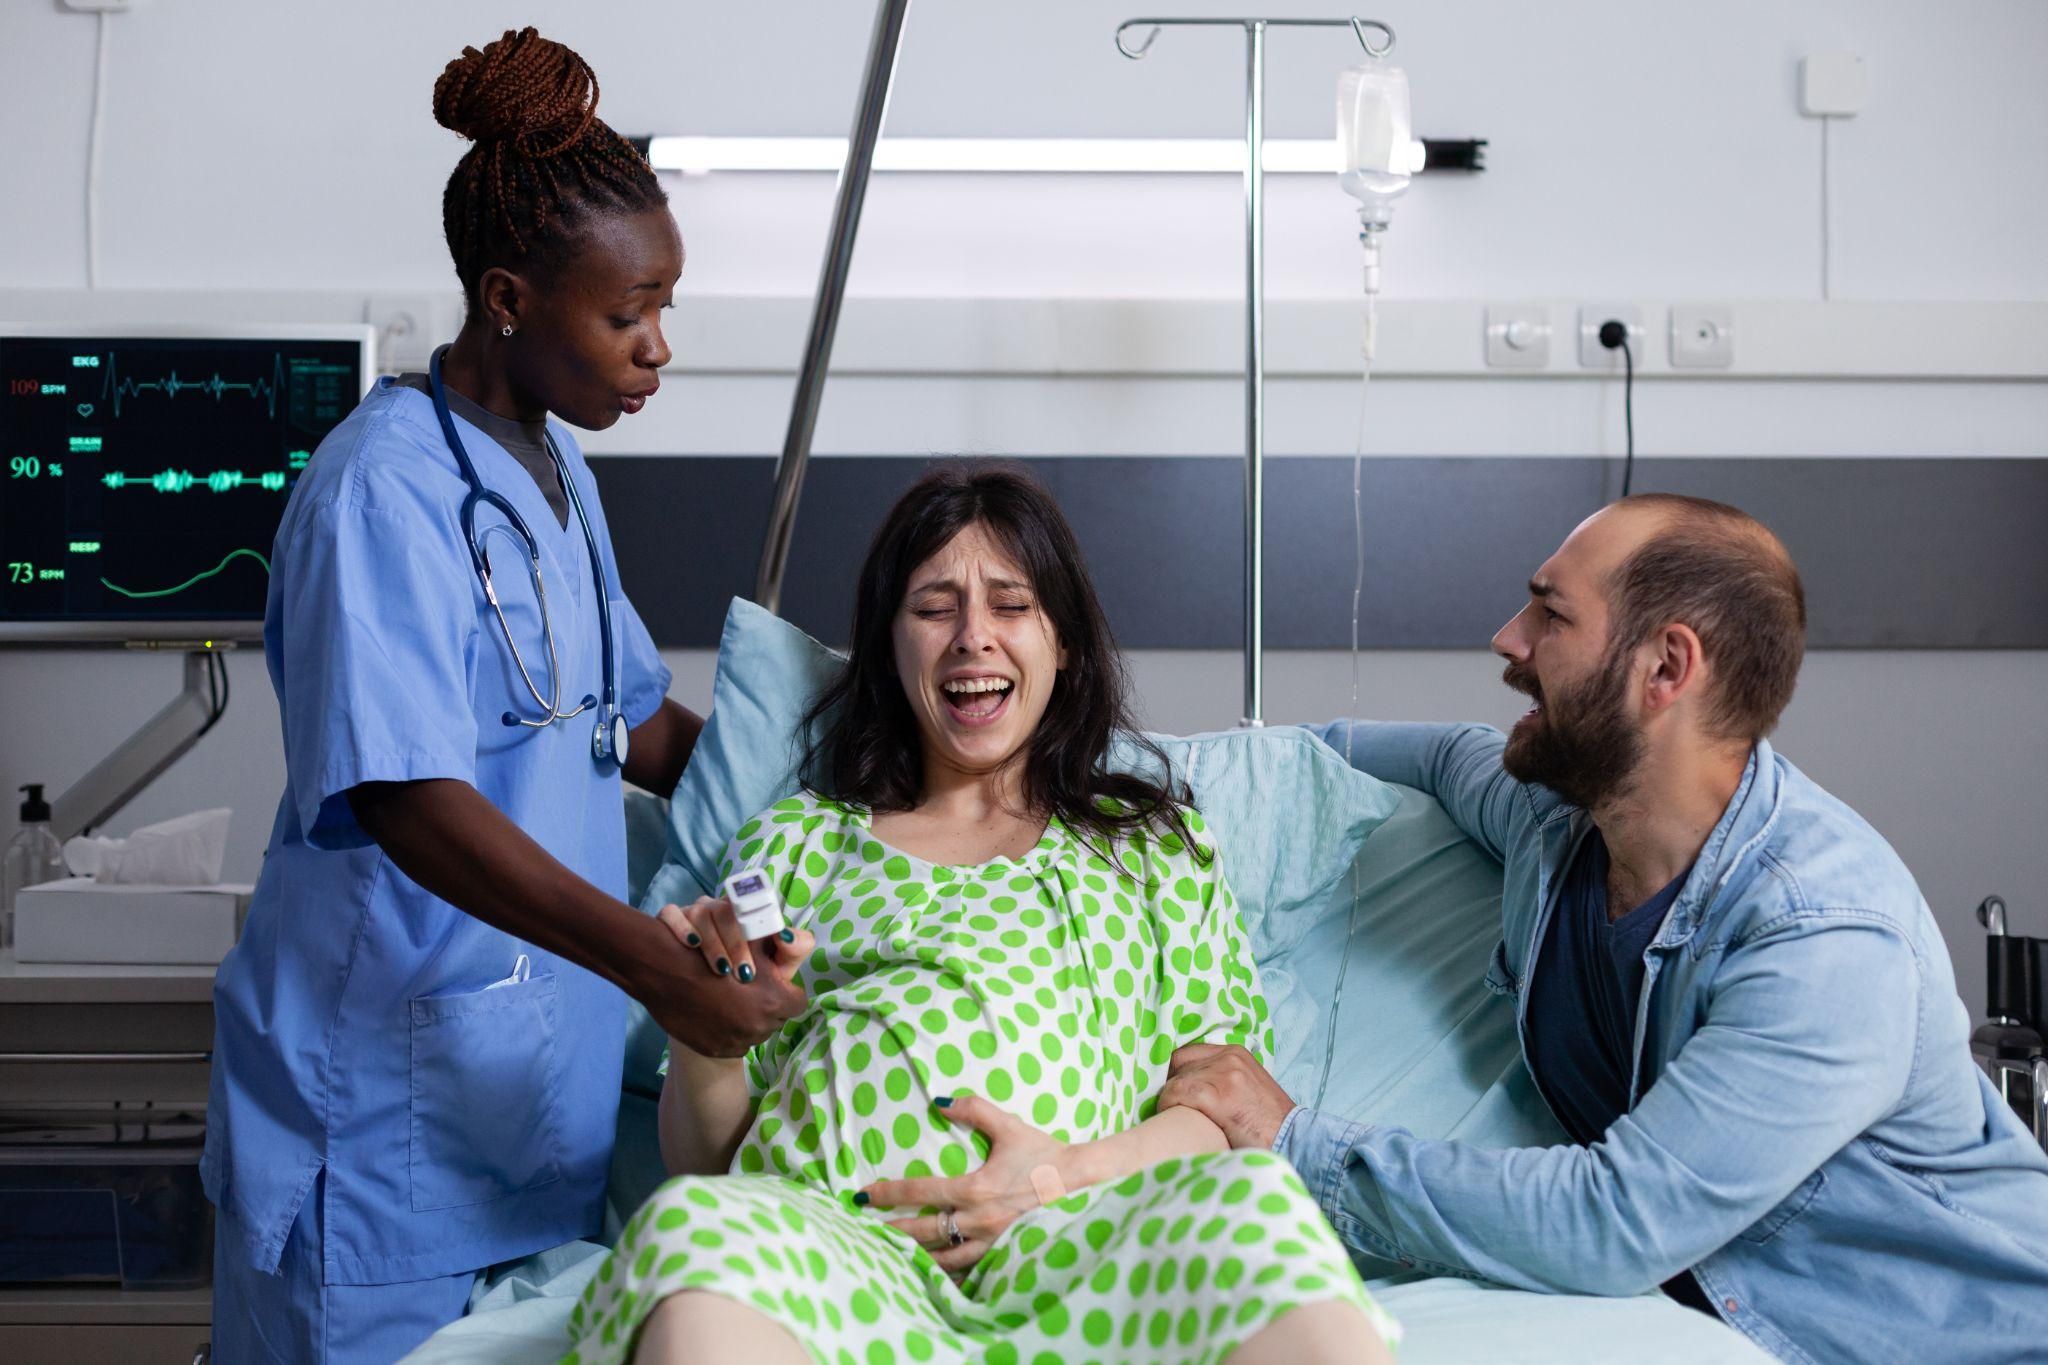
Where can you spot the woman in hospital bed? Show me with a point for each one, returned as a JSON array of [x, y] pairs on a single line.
[[955, 1153]]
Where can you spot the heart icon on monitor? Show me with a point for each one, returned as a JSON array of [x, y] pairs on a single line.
[[85, 409]]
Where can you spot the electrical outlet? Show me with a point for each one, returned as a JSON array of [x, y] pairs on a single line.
[[1518, 338], [1594, 356], [408, 327], [1833, 85], [1702, 336]]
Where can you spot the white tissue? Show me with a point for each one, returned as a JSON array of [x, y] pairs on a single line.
[[187, 851]]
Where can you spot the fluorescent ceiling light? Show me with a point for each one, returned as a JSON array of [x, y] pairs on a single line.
[[1019, 155]]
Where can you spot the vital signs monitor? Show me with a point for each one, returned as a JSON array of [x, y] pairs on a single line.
[[144, 471]]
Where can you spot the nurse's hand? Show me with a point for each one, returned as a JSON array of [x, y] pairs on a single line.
[[745, 991]]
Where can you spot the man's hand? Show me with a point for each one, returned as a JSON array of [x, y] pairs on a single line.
[[1233, 1090], [722, 1016]]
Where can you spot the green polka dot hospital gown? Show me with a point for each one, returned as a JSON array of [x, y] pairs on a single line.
[[1057, 985]]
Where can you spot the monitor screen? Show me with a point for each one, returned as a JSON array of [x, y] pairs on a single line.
[[145, 473]]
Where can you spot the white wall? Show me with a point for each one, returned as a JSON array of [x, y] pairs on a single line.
[[1637, 148], [1639, 151]]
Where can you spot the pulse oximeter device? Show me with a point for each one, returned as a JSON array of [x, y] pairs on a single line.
[[755, 903]]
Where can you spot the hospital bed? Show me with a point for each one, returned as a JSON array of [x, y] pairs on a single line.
[[1366, 907]]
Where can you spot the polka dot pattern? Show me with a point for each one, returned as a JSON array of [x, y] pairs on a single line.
[[1057, 984]]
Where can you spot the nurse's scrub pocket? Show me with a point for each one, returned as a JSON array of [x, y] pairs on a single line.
[[485, 1084]]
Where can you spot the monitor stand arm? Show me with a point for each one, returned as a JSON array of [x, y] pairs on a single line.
[[119, 777]]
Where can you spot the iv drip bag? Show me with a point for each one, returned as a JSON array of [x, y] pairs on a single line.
[[1374, 138]]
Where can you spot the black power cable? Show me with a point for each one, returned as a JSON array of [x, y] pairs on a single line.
[[1614, 336], [217, 689]]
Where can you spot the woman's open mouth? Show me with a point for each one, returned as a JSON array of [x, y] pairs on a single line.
[[977, 701]]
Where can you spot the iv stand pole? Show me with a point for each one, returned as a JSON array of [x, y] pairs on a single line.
[[1254, 311], [810, 381]]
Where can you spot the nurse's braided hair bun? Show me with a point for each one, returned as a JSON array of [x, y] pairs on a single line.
[[543, 160]]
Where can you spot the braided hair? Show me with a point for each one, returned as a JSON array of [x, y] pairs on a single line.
[[543, 161]]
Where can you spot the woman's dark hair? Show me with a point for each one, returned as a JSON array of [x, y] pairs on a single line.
[[543, 161], [866, 748]]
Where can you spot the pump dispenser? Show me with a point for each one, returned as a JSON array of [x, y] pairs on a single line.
[[33, 857]]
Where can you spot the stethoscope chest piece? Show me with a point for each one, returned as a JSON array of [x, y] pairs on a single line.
[[608, 740]]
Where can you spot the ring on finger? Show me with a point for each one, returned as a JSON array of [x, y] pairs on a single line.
[[949, 1228]]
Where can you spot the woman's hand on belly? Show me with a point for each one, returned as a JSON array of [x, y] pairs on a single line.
[[1026, 1169], [984, 1202]]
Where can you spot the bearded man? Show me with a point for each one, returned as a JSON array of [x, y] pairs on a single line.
[[1730, 993]]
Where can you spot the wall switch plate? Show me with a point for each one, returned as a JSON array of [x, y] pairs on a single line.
[[1702, 336], [1594, 356], [1518, 337], [1833, 85]]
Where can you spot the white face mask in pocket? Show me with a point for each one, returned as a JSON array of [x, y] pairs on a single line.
[[522, 972]]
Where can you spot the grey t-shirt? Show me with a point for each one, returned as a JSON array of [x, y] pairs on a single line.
[[526, 441]]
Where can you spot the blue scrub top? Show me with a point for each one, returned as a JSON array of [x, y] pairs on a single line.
[[358, 1029]]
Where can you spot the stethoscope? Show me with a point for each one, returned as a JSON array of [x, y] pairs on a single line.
[[608, 741]]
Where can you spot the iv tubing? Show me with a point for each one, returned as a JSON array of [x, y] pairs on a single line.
[[1370, 241]]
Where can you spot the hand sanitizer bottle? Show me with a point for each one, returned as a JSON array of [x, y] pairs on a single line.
[[33, 857]]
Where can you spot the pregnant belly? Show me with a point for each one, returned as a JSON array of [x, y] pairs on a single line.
[[851, 1101]]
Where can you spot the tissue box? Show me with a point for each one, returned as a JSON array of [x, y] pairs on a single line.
[[81, 920]]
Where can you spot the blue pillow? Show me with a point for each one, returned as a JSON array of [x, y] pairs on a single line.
[[746, 759]]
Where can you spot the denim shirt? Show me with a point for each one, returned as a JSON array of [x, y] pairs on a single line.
[[1807, 1132]]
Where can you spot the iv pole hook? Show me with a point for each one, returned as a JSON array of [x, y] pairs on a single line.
[[1358, 27]]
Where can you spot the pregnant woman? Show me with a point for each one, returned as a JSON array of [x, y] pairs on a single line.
[[955, 1153]]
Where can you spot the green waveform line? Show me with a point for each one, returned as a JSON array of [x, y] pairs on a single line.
[[118, 387], [183, 480], [195, 578]]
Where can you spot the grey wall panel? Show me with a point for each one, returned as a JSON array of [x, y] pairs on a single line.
[[1896, 553]]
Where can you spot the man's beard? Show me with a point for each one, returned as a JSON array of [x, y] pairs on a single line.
[[1581, 744]]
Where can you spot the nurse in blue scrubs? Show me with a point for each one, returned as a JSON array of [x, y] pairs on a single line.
[[421, 1032]]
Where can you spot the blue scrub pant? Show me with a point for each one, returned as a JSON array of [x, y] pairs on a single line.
[[294, 1317]]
